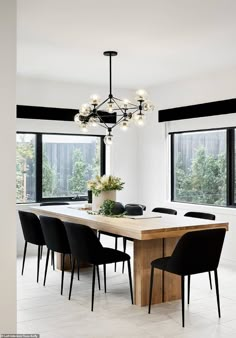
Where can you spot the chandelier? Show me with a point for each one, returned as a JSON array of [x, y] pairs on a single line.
[[122, 111]]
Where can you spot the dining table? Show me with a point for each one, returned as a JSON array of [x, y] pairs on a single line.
[[154, 235]]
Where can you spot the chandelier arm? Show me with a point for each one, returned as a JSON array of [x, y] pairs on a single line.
[[98, 106], [119, 121], [131, 104], [121, 109], [101, 121]]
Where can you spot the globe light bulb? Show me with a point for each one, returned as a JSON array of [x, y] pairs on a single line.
[[125, 103], [124, 125], [110, 107], [148, 105], [108, 140], [85, 109], [95, 99], [94, 121], [140, 120], [84, 127], [77, 118], [141, 94]]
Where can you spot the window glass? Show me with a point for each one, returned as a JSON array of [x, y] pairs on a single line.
[[25, 168], [199, 163], [68, 163]]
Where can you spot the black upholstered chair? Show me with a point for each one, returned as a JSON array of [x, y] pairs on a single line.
[[203, 215], [196, 252], [45, 204], [165, 211], [33, 234], [56, 240], [86, 246]]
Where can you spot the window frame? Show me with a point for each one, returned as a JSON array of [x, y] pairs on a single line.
[[39, 165], [230, 165]]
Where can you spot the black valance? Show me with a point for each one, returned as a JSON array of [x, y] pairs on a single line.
[[198, 110]]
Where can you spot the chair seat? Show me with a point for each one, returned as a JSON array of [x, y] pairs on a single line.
[[109, 234], [109, 255], [160, 263]]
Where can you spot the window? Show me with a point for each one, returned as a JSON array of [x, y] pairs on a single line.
[[201, 167], [25, 168], [63, 163]]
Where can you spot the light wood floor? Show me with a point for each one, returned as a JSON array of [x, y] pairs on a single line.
[[43, 310]]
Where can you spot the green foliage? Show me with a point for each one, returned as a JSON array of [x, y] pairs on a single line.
[[49, 178], [24, 155], [108, 208], [78, 181], [204, 182]]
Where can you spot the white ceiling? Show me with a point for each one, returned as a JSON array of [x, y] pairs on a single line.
[[158, 40]]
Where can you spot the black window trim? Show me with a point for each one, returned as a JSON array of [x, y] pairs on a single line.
[[230, 164], [38, 160]]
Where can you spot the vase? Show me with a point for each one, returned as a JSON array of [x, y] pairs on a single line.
[[104, 195]]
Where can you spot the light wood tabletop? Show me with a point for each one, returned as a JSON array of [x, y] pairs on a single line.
[[153, 237]]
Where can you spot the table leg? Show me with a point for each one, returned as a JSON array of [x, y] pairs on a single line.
[[171, 282], [144, 253]]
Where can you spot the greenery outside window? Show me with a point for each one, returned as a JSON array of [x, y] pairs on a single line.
[[202, 167], [57, 166]]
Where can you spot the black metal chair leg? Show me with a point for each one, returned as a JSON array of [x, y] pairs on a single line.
[[150, 290], [130, 282], [41, 252], [116, 240], [99, 235], [62, 272], [24, 255], [53, 260], [99, 285], [78, 267], [46, 267], [38, 264], [182, 295], [209, 272], [217, 292], [189, 288], [124, 249], [105, 278], [70, 260], [71, 278], [93, 286]]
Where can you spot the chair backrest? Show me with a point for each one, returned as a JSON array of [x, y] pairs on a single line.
[[83, 242], [53, 203], [55, 234], [197, 251], [203, 215], [165, 211], [31, 228]]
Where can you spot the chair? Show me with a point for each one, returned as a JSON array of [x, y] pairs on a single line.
[[56, 240], [33, 234], [196, 252], [86, 246], [44, 204], [165, 211], [202, 215]]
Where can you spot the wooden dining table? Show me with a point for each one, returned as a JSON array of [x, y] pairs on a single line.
[[154, 235]]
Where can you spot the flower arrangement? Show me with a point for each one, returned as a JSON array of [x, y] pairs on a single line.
[[105, 183]]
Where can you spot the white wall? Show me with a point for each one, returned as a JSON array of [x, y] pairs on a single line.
[[153, 143], [7, 168], [121, 157]]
